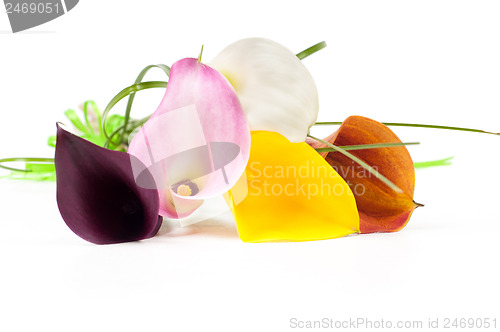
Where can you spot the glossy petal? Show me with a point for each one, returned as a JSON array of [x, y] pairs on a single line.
[[97, 194], [290, 193], [197, 142], [275, 88], [380, 208]]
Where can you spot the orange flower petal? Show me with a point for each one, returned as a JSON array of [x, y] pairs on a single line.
[[380, 208]]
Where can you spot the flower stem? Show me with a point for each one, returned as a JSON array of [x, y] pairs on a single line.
[[38, 160], [418, 125], [370, 169], [366, 146], [133, 124], [433, 163], [127, 91], [311, 50], [131, 97], [201, 53]]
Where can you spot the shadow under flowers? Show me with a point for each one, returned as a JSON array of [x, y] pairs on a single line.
[[221, 226]]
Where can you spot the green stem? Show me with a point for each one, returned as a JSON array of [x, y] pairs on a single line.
[[361, 163], [39, 160], [201, 53], [366, 146], [418, 125], [437, 127], [311, 50], [131, 98], [433, 163], [134, 124], [127, 91], [327, 123]]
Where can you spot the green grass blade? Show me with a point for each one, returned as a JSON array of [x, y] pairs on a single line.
[[433, 163], [418, 125], [370, 169], [367, 146], [127, 91], [47, 161]]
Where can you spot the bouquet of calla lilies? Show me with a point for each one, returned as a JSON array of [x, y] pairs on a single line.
[[234, 129]]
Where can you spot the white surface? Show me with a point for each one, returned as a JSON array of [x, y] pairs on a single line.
[[425, 62]]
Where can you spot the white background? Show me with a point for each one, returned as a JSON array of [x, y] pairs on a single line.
[[400, 61]]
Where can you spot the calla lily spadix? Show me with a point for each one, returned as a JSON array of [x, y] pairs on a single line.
[[290, 193], [196, 144], [97, 194], [275, 88]]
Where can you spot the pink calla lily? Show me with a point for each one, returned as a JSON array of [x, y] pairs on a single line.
[[197, 143]]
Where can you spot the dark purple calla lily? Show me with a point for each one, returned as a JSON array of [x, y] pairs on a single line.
[[97, 195]]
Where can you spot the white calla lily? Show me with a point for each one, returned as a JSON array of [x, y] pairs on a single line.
[[276, 90]]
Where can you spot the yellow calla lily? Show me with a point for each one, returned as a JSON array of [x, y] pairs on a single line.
[[290, 193]]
